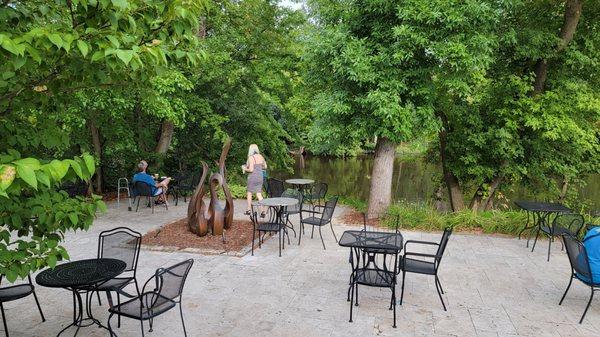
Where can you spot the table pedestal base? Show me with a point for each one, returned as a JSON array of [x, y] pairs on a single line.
[[82, 315]]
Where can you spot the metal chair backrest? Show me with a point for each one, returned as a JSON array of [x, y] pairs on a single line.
[[270, 214], [194, 181], [319, 190], [443, 243], [121, 243], [570, 223], [275, 187], [294, 194], [170, 281], [142, 189], [577, 256], [182, 180], [328, 209], [385, 218]]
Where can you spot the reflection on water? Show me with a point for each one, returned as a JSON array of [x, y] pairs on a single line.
[[413, 181]]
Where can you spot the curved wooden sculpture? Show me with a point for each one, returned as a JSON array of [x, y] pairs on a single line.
[[215, 218], [197, 211]]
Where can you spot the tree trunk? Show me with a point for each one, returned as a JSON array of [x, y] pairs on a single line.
[[166, 135], [489, 202], [380, 195], [454, 193], [476, 200], [202, 28], [564, 189], [567, 31], [439, 202], [98, 152]]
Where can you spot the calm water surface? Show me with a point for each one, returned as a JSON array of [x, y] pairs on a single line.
[[413, 181]]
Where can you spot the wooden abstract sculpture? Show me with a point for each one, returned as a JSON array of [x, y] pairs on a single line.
[[214, 218]]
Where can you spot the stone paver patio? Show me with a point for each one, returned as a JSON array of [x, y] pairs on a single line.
[[494, 287]]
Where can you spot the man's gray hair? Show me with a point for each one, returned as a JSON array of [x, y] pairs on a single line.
[[142, 166]]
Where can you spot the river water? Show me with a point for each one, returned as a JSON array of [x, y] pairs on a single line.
[[413, 181]]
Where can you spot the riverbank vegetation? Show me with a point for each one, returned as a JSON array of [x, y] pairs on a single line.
[[424, 216]]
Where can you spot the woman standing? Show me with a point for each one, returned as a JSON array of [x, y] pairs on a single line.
[[255, 165]]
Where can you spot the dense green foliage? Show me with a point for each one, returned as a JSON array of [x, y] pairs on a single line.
[[126, 80], [464, 71], [35, 215], [52, 52], [507, 132]]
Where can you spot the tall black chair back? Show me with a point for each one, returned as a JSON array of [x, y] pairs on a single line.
[[275, 187], [142, 189], [294, 194], [578, 257], [568, 223], [170, 281], [580, 269], [317, 193], [442, 247], [121, 243], [328, 210]]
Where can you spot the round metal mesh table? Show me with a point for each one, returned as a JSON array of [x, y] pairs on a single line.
[[82, 273], [278, 202], [82, 278]]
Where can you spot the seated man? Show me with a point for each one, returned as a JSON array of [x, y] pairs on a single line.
[[591, 241], [159, 189]]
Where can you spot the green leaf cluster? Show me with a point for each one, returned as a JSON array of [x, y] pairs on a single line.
[[35, 216]]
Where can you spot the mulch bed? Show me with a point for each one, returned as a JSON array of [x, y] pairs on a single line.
[[353, 217], [176, 234]]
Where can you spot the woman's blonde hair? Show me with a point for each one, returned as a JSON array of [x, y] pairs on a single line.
[[253, 149]]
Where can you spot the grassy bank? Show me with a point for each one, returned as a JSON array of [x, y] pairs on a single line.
[[426, 218]]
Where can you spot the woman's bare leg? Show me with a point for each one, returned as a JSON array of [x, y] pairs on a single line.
[[260, 197], [249, 199]]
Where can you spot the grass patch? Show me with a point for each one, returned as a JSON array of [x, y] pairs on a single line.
[[425, 217], [357, 204]]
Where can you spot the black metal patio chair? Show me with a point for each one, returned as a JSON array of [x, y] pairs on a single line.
[[142, 189], [123, 244], [373, 254], [292, 210], [569, 223], [319, 219], [267, 225], [580, 269], [427, 264], [380, 275], [316, 194], [275, 187], [15, 292], [183, 185], [167, 293]]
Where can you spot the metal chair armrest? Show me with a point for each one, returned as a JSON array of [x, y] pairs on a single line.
[[421, 243], [420, 254]]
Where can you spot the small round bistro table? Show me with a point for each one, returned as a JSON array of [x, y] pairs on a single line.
[[300, 184], [81, 277]]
